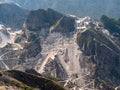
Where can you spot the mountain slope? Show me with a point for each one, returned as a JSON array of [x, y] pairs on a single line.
[[28, 81], [83, 56], [41, 18], [94, 8], [16, 47], [12, 15], [103, 54], [82, 53], [112, 25], [45, 21]]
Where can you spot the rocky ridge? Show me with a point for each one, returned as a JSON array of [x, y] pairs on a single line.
[[75, 50]]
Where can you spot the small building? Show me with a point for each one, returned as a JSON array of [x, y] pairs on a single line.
[[82, 23]]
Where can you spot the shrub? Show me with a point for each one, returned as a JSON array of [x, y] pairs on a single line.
[[1, 73]]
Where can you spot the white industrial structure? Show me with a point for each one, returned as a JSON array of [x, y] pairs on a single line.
[[82, 23]]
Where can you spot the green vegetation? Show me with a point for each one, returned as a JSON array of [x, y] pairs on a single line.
[[53, 16], [64, 25], [1, 73], [86, 41], [41, 18], [51, 77], [9, 81], [106, 84], [31, 82], [111, 24], [94, 42], [89, 38]]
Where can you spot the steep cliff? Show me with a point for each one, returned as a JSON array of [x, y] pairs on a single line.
[[81, 53], [64, 25], [42, 19], [45, 21], [102, 51]]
